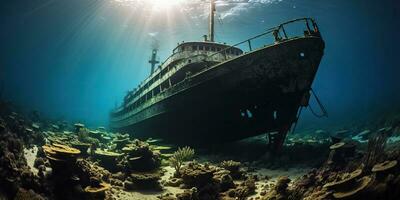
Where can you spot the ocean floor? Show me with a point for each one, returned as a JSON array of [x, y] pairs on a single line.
[[42, 159], [119, 192]]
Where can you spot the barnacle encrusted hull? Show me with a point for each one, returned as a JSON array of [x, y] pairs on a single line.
[[257, 92]]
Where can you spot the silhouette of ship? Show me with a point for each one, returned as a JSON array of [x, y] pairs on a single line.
[[207, 92]]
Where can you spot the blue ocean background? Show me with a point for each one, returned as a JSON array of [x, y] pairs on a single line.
[[76, 59]]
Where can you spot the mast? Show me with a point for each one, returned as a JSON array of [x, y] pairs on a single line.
[[211, 25], [153, 61]]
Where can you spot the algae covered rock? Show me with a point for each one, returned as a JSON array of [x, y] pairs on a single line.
[[87, 170], [201, 177], [233, 167], [282, 184], [121, 141], [108, 159], [24, 194], [146, 180], [13, 165], [62, 158], [139, 157], [78, 127], [83, 147], [96, 189], [189, 194], [226, 182], [196, 175], [242, 191], [280, 191], [174, 182], [353, 189]]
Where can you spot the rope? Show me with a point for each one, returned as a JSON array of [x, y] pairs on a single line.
[[321, 106]]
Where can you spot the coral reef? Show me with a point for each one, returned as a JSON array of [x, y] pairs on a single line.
[[16, 178], [44, 159], [360, 177]]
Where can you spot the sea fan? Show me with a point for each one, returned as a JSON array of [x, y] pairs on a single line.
[[180, 156]]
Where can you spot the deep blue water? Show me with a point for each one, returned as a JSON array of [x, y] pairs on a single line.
[[76, 59]]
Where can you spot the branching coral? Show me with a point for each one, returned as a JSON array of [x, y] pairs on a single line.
[[180, 156]]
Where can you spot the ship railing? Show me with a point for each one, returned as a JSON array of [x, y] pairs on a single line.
[[276, 35]]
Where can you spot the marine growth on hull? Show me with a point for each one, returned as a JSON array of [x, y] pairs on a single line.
[[44, 159]]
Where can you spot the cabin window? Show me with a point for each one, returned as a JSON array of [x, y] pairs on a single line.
[[202, 48], [142, 99], [218, 49], [156, 90], [194, 48], [212, 48], [207, 48], [183, 48]]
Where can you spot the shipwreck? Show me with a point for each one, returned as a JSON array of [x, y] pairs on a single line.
[[209, 92]]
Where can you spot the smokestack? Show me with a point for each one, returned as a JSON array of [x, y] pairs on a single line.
[[211, 28]]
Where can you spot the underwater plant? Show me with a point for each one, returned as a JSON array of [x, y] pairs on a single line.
[[376, 147], [180, 156]]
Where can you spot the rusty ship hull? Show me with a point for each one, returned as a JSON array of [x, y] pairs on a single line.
[[255, 93]]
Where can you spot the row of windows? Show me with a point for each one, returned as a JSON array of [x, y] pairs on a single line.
[[209, 48], [163, 86], [148, 84]]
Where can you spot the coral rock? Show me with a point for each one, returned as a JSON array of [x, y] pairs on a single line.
[[233, 167], [146, 180], [353, 189], [23, 194], [196, 175]]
